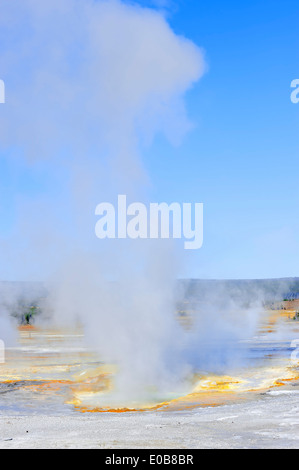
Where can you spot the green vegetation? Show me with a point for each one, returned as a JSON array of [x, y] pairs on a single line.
[[29, 315], [296, 316], [25, 313]]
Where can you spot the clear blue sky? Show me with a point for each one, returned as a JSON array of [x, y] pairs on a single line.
[[241, 161], [241, 158]]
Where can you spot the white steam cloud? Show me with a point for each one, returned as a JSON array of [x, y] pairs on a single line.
[[84, 74], [88, 84]]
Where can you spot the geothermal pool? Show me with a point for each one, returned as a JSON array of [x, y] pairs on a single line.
[[53, 372]]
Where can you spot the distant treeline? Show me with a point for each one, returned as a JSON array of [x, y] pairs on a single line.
[[23, 300], [267, 290]]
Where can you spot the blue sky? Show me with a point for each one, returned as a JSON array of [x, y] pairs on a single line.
[[241, 157]]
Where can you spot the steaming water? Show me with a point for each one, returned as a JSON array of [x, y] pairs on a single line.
[[53, 372]]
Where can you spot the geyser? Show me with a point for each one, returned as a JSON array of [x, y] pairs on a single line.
[[102, 79]]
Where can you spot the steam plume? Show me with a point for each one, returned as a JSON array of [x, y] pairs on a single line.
[[88, 84]]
